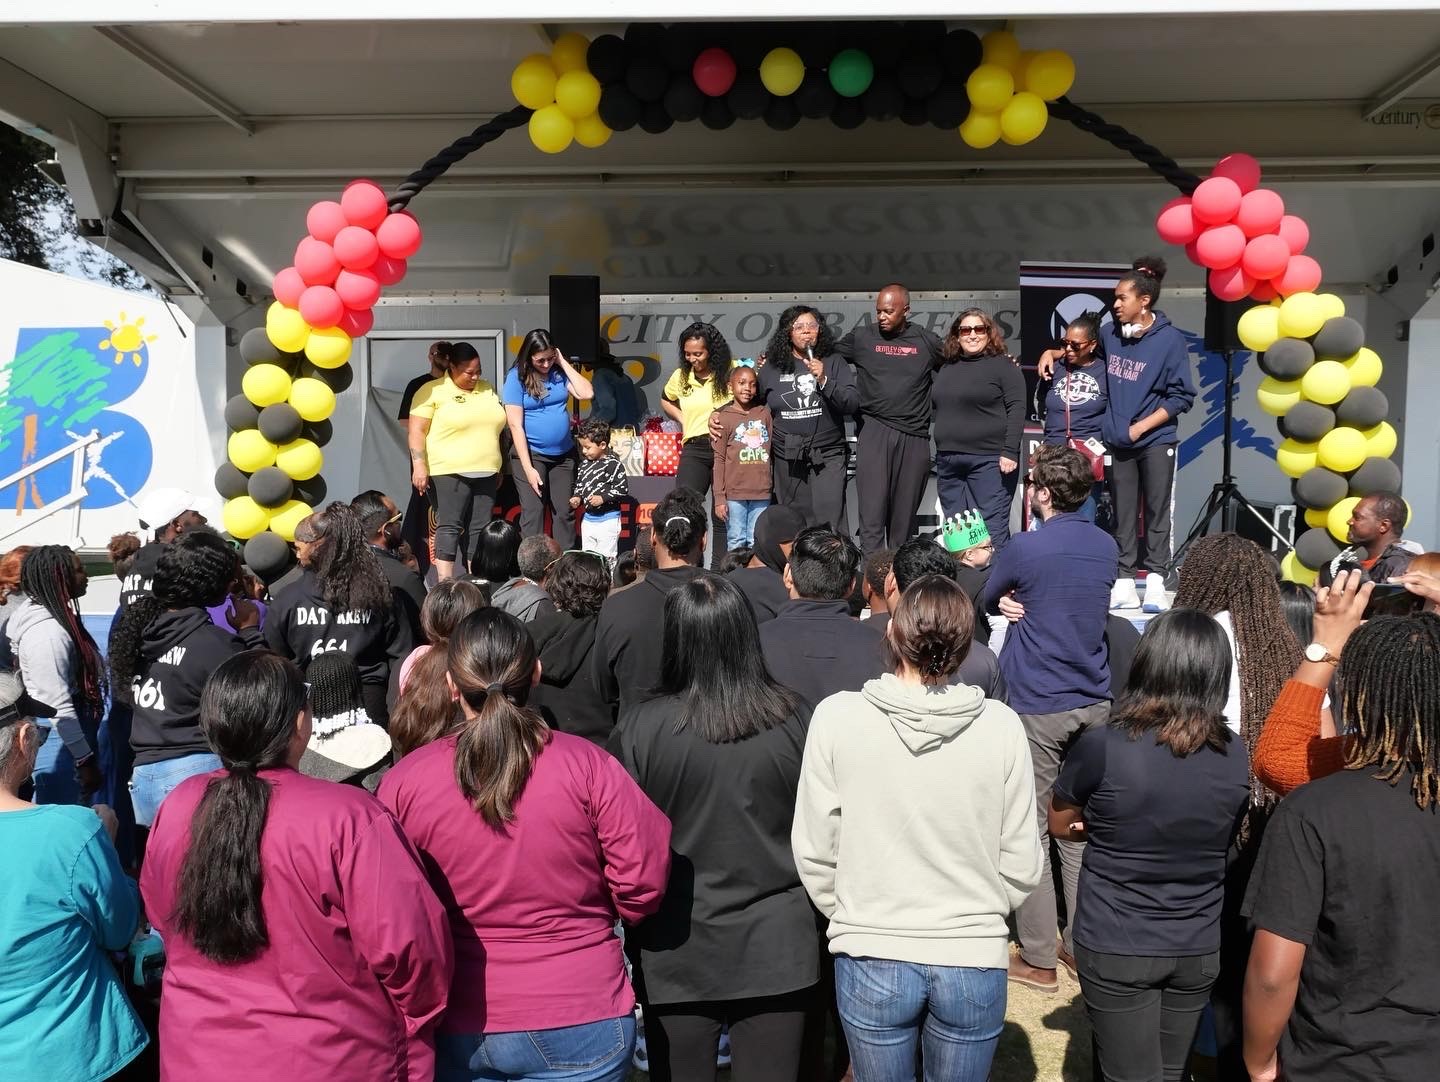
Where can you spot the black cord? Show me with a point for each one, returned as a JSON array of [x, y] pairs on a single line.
[[1137, 148], [462, 148]]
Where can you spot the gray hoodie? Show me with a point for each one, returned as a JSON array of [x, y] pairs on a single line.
[[42, 650]]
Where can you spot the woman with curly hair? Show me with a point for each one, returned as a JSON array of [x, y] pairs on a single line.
[[697, 388], [425, 711], [342, 601], [578, 583]]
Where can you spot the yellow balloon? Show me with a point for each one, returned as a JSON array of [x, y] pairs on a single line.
[[242, 517], [1409, 513], [569, 52], [577, 94], [1337, 520], [1326, 382], [312, 398], [266, 384], [1292, 570], [1276, 397], [286, 328], [1295, 458], [1050, 74], [1259, 327], [1316, 517], [1023, 118], [327, 347], [250, 451], [300, 460], [1333, 305], [285, 518], [980, 130], [1000, 47], [1301, 315], [782, 71], [1380, 441], [533, 81], [590, 131], [1343, 449], [990, 87], [1364, 368], [551, 129]]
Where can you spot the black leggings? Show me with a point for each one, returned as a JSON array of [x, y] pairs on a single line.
[[458, 502], [765, 1033], [697, 471]]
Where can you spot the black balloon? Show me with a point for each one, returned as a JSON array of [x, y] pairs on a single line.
[[920, 75], [318, 432], [231, 481], [644, 38], [748, 97], [948, 106], [280, 423], [683, 100], [619, 109], [1319, 487], [848, 114], [1306, 422], [654, 119], [270, 487], [256, 348], [311, 492], [241, 413], [914, 113], [886, 45], [716, 115], [782, 114], [883, 101], [816, 97], [1288, 358], [1363, 407], [337, 379], [819, 44], [1316, 548], [960, 54], [268, 555], [749, 44], [1339, 338], [1375, 475], [606, 58], [647, 78], [680, 46]]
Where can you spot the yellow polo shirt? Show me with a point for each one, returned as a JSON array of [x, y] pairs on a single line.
[[696, 404], [465, 427]]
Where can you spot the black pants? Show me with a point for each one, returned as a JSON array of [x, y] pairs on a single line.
[[459, 501], [764, 1038], [697, 471], [815, 486], [557, 485], [1144, 1011], [1148, 473], [890, 472]]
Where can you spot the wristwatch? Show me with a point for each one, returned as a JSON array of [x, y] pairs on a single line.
[[1318, 651]]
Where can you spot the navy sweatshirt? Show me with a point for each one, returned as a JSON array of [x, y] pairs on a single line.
[[1145, 374], [893, 373], [979, 406], [1055, 657]]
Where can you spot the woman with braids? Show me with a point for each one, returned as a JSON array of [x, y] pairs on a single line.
[[426, 709], [1344, 975], [302, 939], [914, 780], [62, 668], [538, 841], [695, 390], [163, 649], [342, 601]]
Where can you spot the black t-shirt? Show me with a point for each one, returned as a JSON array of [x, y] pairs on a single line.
[[979, 406], [141, 576], [1158, 827], [1350, 866], [807, 417], [893, 374], [407, 396]]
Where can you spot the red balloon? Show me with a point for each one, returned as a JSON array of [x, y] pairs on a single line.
[[288, 286], [321, 306], [1294, 232], [316, 262], [1192, 252], [1220, 246], [357, 324], [1176, 222], [399, 236], [1241, 168], [358, 289], [1216, 200], [356, 248], [325, 219], [1264, 292], [364, 204], [388, 270], [1260, 212], [714, 72], [1302, 275], [1231, 284], [1265, 257]]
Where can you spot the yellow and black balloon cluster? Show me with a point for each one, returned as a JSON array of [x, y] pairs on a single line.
[[299, 361], [918, 72]]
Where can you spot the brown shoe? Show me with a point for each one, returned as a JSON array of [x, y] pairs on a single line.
[[1068, 961], [1042, 980]]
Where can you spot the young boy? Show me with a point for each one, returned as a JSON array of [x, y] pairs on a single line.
[[600, 485], [742, 460]]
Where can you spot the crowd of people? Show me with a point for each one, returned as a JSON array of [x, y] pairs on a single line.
[[808, 812]]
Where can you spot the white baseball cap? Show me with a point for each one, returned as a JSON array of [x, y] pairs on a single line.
[[161, 506]]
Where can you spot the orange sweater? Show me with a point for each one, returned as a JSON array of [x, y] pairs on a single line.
[[1291, 750]]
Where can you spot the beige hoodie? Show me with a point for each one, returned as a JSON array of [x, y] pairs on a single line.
[[915, 829]]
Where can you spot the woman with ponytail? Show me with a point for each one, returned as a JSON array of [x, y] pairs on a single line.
[[302, 939], [538, 841], [919, 781]]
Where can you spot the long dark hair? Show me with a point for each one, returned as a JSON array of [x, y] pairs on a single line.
[[426, 711], [536, 341], [711, 660], [1179, 681], [247, 713], [352, 579], [47, 575], [721, 360], [779, 353], [492, 663], [1297, 602], [994, 337], [497, 548], [195, 571]]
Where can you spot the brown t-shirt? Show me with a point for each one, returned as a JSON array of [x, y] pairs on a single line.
[[742, 453]]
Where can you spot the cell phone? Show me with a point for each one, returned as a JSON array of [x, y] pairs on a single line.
[[1392, 599]]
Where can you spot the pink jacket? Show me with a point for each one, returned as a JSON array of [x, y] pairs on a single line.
[[359, 961]]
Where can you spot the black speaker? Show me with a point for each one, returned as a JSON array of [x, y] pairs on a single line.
[[575, 315], [1222, 323]]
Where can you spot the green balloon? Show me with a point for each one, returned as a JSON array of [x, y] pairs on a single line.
[[851, 73]]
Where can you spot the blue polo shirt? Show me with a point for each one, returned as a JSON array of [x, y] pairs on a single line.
[[547, 419], [1055, 658]]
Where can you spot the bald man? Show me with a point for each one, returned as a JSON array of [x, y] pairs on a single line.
[[895, 361]]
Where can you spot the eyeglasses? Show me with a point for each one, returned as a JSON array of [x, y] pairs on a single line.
[[969, 332], [1074, 347], [805, 326]]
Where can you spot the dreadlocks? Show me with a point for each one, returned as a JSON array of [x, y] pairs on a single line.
[[350, 574], [47, 578], [1389, 691]]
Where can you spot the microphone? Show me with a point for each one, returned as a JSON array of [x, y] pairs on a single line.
[[809, 354]]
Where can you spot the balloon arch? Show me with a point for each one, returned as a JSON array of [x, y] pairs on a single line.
[[1319, 376]]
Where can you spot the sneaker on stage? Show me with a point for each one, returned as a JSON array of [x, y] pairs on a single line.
[[1156, 599], [1123, 595]]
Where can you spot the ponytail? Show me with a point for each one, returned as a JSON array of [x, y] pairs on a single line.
[[678, 522]]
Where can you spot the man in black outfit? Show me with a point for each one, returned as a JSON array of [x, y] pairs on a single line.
[[168, 513], [895, 361], [380, 519]]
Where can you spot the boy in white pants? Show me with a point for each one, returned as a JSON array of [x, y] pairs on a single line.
[[600, 485]]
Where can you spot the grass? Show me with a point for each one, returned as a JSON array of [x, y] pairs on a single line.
[[1046, 1036]]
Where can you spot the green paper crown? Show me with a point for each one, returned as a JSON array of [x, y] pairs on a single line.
[[965, 531]]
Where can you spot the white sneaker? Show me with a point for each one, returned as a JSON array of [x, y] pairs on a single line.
[[1156, 599], [1123, 595]]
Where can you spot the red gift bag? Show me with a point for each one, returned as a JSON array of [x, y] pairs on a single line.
[[662, 453]]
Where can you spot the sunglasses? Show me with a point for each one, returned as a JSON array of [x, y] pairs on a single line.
[[968, 331], [1075, 347]]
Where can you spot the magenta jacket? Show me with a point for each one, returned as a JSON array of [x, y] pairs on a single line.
[[359, 961], [533, 907]]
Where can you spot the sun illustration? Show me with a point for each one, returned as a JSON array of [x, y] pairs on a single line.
[[126, 337]]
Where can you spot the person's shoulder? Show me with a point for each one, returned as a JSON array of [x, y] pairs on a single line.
[[841, 708], [69, 824]]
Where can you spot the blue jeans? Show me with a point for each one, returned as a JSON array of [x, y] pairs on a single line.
[[740, 519], [974, 482], [593, 1052], [151, 783], [54, 775], [886, 1007]]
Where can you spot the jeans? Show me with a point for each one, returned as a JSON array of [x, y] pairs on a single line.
[[740, 517], [54, 775], [593, 1052], [887, 1007], [974, 482], [151, 783]]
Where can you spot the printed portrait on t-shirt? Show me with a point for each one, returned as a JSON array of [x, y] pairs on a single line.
[[804, 395]]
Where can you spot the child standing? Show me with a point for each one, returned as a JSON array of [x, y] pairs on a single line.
[[600, 485], [742, 460]]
